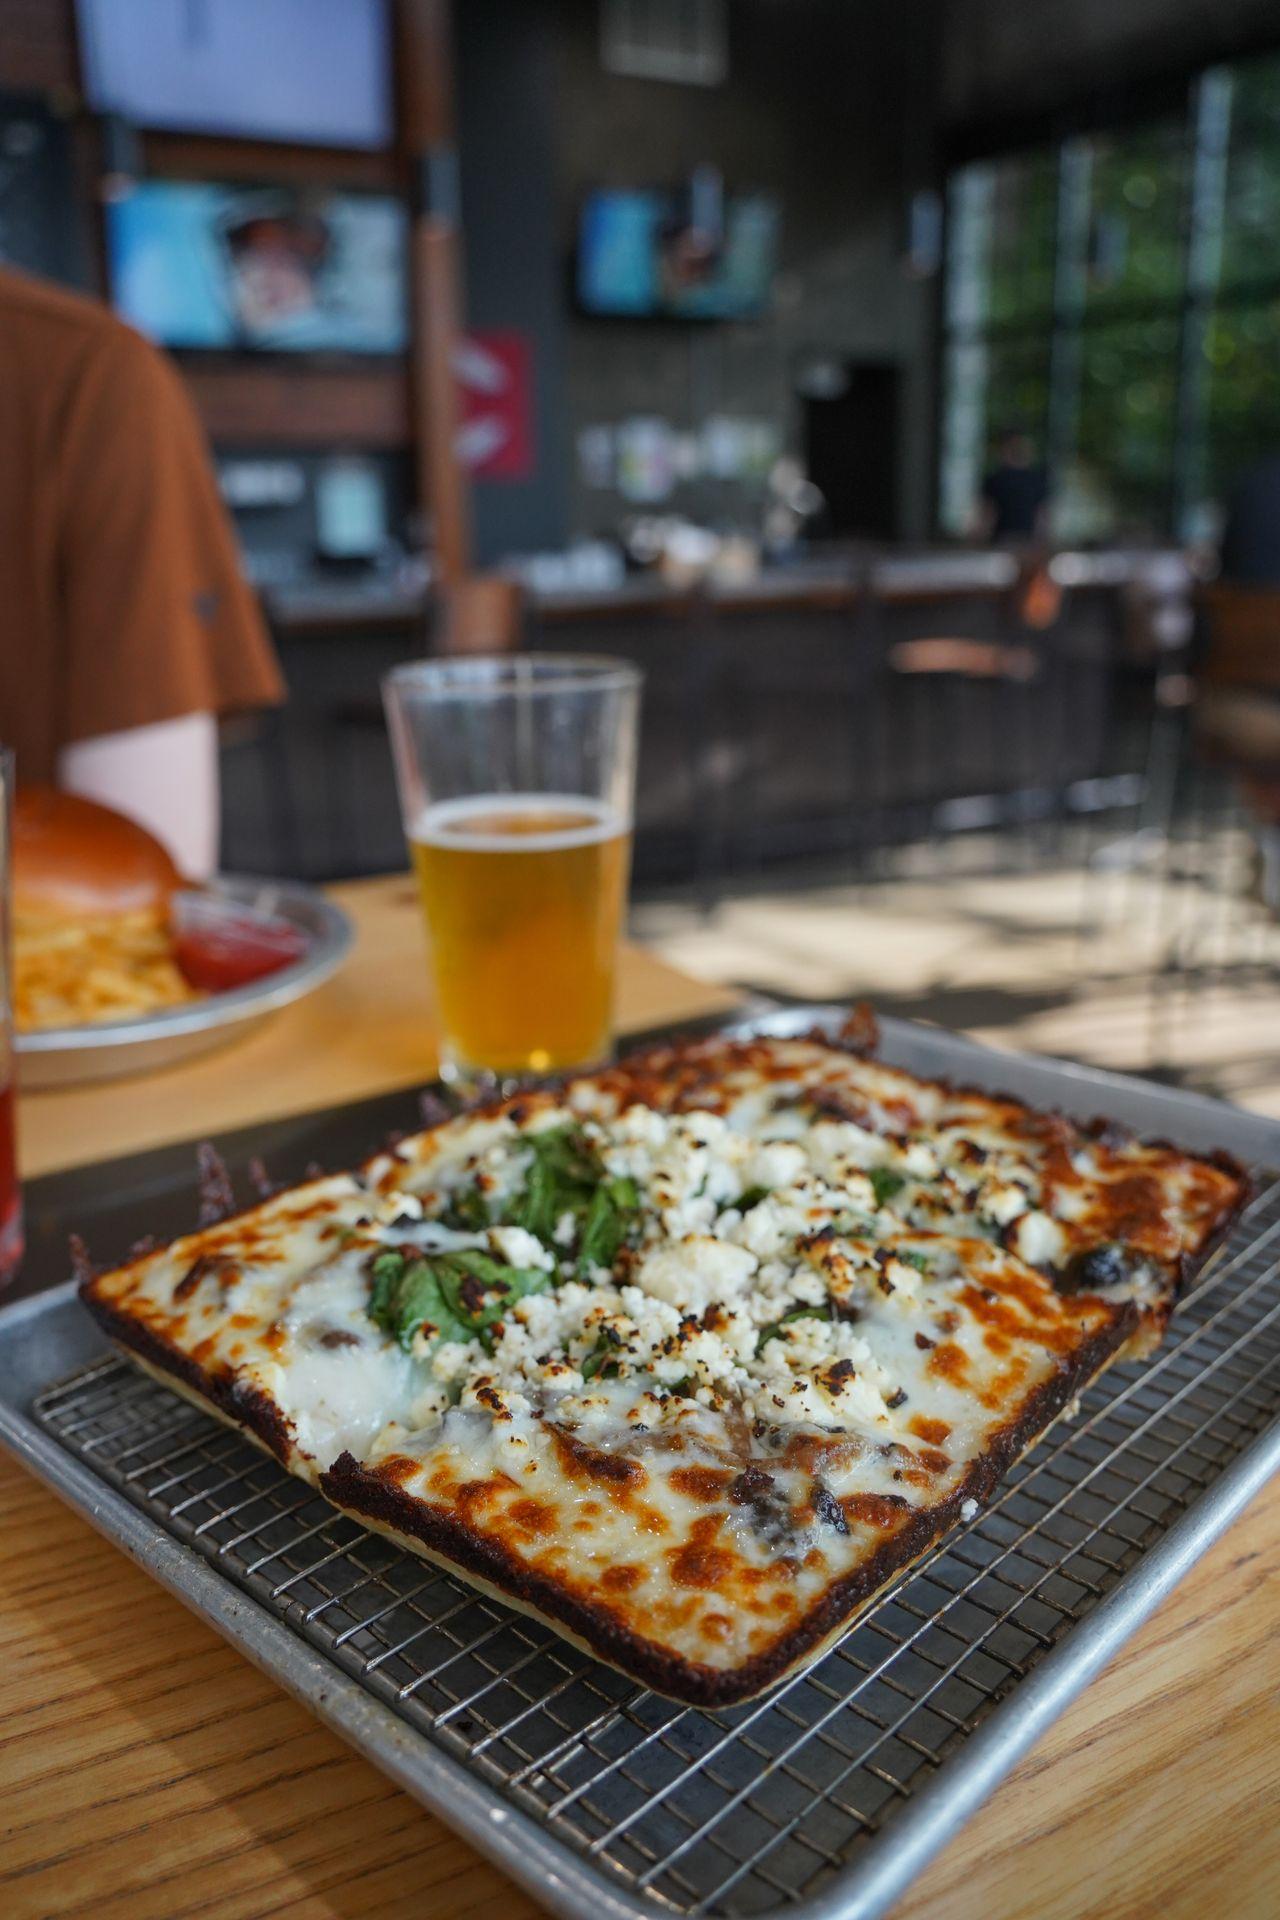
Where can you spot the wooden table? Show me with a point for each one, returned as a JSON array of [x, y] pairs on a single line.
[[147, 1772], [369, 1029]]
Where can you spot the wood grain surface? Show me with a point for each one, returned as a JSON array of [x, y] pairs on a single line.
[[147, 1772]]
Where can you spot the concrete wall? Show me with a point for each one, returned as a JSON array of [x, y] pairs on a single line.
[[828, 106], [815, 111], [508, 111]]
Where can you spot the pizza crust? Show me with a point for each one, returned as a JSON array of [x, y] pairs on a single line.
[[719, 1553]]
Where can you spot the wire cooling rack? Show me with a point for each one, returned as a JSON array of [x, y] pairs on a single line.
[[741, 1811]]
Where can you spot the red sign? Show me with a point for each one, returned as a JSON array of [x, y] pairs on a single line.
[[495, 405]]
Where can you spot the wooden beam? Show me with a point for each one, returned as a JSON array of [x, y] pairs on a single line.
[[427, 134], [243, 403], [425, 74], [195, 156]]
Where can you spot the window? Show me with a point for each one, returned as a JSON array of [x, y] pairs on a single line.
[[1134, 231], [1242, 397], [1119, 296], [999, 310], [1251, 211], [1124, 427]]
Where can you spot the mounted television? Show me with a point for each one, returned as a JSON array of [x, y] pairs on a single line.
[[315, 71], [274, 269], [639, 255]]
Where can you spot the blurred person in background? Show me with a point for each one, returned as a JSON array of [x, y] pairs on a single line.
[[1015, 493], [126, 625]]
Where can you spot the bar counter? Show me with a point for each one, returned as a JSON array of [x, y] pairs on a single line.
[[147, 1772]]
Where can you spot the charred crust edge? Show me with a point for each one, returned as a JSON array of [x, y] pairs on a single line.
[[248, 1406], [362, 1492]]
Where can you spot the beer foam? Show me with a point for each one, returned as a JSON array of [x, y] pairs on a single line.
[[445, 823]]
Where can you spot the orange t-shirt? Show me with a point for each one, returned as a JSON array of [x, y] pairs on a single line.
[[121, 596]]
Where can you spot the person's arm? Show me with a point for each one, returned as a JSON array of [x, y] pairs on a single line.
[[162, 631], [165, 776]]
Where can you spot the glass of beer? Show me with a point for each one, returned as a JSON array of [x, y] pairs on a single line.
[[517, 781]]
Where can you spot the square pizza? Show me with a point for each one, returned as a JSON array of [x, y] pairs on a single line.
[[690, 1356]]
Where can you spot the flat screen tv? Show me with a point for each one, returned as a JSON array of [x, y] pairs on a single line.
[[639, 256], [316, 71], [275, 269]]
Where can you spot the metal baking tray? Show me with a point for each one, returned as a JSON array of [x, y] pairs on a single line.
[[604, 1800], [107, 1049]]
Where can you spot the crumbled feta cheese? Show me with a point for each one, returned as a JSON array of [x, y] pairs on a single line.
[[453, 1359], [395, 1205], [696, 1271], [904, 1281], [520, 1249], [834, 1144], [428, 1406], [774, 1163], [1039, 1240], [918, 1160], [969, 1510], [772, 1227], [673, 1337], [545, 1118], [1001, 1202]]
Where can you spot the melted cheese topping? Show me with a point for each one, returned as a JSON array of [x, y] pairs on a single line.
[[838, 1289]]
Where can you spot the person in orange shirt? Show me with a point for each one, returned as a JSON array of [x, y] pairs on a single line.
[[126, 625]]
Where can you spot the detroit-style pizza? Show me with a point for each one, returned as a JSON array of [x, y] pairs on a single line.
[[690, 1356]]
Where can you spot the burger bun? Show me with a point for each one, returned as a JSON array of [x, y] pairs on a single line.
[[74, 859]]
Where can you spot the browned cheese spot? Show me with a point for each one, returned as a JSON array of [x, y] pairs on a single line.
[[926, 1428], [1132, 1210], [622, 1579], [617, 1471], [950, 1361], [698, 1563], [473, 1495], [1005, 1383], [398, 1467], [533, 1516], [874, 1509], [701, 1483]]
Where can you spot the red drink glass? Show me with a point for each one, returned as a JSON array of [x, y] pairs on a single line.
[[10, 1192]]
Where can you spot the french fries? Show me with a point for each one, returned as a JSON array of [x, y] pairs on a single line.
[[70, 973]]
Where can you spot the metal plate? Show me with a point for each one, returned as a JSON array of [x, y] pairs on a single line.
[[603, 1799], [106, 1049]]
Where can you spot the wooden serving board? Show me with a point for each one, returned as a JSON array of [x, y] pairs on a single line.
[[148, 1773]]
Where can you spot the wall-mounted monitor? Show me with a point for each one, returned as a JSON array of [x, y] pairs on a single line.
[[640, 255], [316, 71], [274, 269]]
